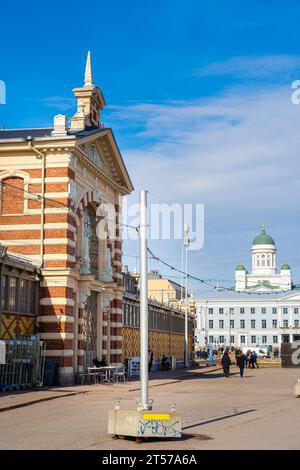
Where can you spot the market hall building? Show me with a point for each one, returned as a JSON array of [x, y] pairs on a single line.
[[60, 203]]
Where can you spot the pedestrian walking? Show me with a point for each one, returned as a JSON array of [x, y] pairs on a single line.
[[150, 359], [249, 358], [254, 360], [226, 363], [241, 362]]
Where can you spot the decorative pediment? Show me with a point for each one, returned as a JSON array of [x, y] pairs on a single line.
[[102, 151]]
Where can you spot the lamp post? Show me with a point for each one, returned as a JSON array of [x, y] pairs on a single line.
[[186, 243]]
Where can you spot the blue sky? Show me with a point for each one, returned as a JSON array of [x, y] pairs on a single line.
[[199, 97]]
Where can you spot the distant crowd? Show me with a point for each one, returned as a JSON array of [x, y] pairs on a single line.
[[229, 356]]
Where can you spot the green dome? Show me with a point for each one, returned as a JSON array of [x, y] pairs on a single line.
[[285, 266], [240, 267], [263, 238]]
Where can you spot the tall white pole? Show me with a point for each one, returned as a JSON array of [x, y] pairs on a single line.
[[186, 243], [143, 302]]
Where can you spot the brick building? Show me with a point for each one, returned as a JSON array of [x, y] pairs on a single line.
[[60, 201]]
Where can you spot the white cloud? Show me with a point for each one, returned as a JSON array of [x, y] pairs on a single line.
[[237, 153], [263, 67]]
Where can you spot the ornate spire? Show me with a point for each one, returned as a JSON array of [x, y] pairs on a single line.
[[88, 76], [263, 228]]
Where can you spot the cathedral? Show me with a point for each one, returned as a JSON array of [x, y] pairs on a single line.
[[264, 276]]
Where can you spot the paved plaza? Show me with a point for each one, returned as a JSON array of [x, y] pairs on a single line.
[[257, 412]]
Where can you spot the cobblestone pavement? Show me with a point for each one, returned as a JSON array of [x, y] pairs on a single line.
[[257, 412]]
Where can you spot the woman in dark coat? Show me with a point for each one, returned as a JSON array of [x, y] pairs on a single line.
[[241, 362], [226, 363]]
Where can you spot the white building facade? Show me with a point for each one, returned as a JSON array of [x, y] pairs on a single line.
[[243, 320]]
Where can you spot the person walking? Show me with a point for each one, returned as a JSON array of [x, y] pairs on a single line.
[[254, 360], [249, 358], [241, 362], [150, 359], [226, 363]]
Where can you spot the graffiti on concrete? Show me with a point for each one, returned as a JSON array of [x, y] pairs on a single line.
[[160, 428]]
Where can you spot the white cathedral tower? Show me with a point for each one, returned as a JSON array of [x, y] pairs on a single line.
[[264, 276]]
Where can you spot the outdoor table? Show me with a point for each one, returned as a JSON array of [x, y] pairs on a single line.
[[108, 370]]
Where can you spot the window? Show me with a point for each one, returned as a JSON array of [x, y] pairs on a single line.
[[12, 294], [221, 311], [264, 339], [221, 323], [211, 324], [242, 323], [285, 310], [231, 311], [253, 339], [274, 323], [252, 310], [221, 339], [231, 323], [5, 292], [285, 323], [275, 339], [24, 296], [232, 338], [243, 339], [264, 324], [296, 323], [252, 323], [210, 311], [274, 310], [263, 310], [242, 310], [296, 310], [211, 339]]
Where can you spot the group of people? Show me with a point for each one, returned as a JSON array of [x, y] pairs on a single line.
[[164, 363], [242, 361]]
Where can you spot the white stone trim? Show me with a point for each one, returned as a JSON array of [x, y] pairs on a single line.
[[34, 242], [55, 319], [14, 227], [80, 352], [65, 370], [59, 257], [56, 335], [56, 301], [53, 225], [51, 179], [58, 195], [58, 352]]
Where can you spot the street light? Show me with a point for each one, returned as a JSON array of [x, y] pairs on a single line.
[[186, 243]]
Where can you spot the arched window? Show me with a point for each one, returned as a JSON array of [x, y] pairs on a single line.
[[12, 195]]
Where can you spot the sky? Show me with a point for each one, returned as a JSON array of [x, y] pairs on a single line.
[[199, 98]]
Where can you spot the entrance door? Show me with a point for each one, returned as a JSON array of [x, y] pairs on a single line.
[[90, 329]]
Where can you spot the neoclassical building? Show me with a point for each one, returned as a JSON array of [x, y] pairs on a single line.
[[264, 276], [60, 203]]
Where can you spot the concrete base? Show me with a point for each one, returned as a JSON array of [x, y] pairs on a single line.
[[297, 388], [144, 423]]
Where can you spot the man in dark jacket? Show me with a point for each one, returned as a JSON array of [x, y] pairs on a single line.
[[240, 362], [226, 363]]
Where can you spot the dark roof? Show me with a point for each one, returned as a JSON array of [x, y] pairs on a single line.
[[45, 132], [23, 133]]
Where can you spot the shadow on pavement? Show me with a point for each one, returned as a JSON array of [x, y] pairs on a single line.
[[218, 419]]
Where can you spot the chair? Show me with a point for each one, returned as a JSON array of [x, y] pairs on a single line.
[[120, 375]]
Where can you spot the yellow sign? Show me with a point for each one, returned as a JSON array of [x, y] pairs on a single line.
[[157, 416]]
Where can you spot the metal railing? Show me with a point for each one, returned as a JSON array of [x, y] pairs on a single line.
[[24, 364]]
